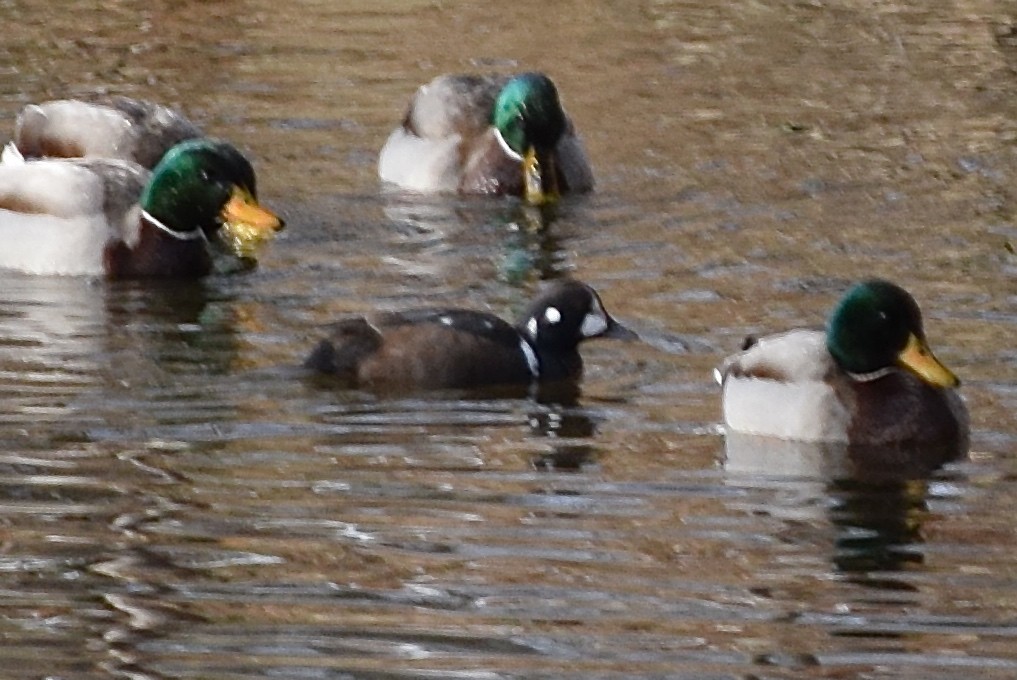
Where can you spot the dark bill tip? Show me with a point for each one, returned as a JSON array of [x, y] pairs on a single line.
[[617, 331]]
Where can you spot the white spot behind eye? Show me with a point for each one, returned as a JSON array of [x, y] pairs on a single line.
[[445, 320], [552, 315], [595, 321], [594, 324]]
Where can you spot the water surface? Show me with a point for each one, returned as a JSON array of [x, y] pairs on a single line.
[[178, 501]]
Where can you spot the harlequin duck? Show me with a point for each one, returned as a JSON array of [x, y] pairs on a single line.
[[459, 348]]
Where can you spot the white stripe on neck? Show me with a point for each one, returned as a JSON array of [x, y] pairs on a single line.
[[531, 357], [178, 235]]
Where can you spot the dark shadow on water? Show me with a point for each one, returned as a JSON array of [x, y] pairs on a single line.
[[878, 530], [563, 421], [566, 458]]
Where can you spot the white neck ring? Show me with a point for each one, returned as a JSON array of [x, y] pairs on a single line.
[[193, 235]]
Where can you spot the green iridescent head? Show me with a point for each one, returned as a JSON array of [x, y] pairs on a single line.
[[878, 325], [528, 113], [207, 184]]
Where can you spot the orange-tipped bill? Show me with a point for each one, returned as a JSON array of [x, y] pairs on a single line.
[[917, 357], [534, 177], [246, 224]]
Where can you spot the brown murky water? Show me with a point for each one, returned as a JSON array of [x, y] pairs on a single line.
[[177, 501]]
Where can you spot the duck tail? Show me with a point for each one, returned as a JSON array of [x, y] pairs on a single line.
[[11, 155]]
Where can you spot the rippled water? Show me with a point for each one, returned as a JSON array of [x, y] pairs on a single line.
[[177, 500]]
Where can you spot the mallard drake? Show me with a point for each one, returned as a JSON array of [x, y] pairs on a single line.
[[122, 128], [115, 218], [869, 379], [487, 135]]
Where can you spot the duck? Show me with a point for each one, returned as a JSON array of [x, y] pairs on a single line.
[[450, 348], [869, 379], [122, 128], [489, 135], [114, 218]]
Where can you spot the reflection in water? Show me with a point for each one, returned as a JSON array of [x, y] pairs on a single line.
[[81, 332], [166, 346], [533, 251], [878, 492], [530, 249], [771, 457], [52, 350], [174, 503], [566, 458], [113, 375], [866, 525], [878, 530], [562, 421], [45, 319]]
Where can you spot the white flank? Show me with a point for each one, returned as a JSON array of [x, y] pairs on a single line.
[[425, 165], [801, 411], [64, 229], [800, 407], [43, 244]]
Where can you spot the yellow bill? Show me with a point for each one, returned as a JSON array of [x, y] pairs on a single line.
[[246, 224], [533, 179], [919, 358]]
